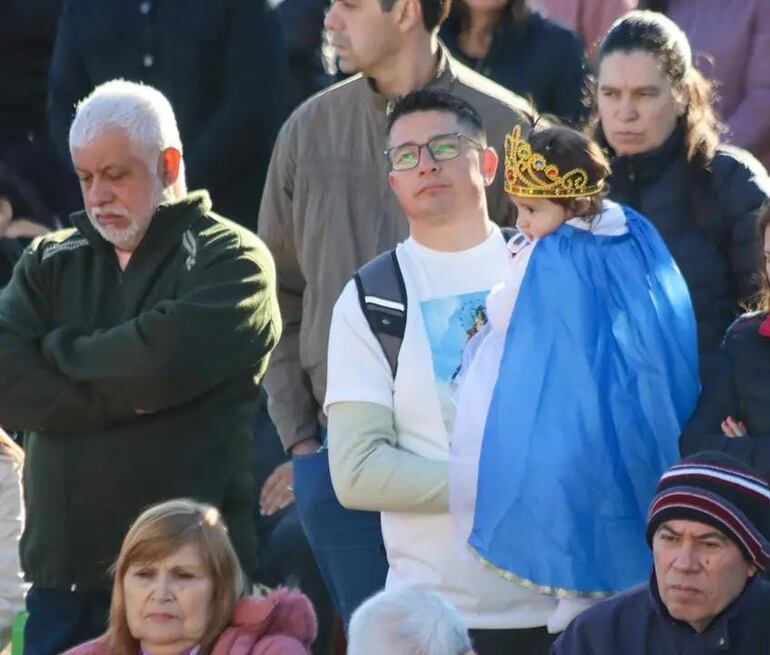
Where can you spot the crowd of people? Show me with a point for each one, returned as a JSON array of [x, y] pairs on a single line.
[[431, 328]]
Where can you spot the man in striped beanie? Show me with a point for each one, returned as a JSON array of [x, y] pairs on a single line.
[[708, 527]]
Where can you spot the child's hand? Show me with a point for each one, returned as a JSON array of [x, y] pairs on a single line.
[[732, 428]]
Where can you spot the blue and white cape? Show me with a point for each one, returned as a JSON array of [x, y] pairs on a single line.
[[570, 410]]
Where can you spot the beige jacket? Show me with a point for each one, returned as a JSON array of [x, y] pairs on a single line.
[[327, 210], [12, 587]]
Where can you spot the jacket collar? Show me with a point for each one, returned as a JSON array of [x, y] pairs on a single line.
[[168, 221], [648, 166], [731, 621], [443, 78]]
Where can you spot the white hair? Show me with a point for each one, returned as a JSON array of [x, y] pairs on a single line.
[[141, 111], [407, 621]]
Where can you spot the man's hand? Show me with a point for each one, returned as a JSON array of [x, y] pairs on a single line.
[[277, 491], [732, 428], [306, 446]]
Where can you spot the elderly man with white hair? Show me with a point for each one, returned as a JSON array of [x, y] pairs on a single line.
[[131, 347], [407, 621]]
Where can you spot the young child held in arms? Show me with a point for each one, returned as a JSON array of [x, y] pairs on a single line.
[[572, 398]]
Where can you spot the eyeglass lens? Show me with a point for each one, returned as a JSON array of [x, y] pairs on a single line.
[[441, 148]]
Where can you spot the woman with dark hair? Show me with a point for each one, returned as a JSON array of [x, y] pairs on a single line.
[[731, 40], [519, 49], [656, 120], [733, 413]]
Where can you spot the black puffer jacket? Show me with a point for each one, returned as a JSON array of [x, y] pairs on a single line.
[[737, 386], [706, 218]]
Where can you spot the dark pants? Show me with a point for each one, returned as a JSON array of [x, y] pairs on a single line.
[[286, 559], [285, 555], [59, 620], [528, 641], [347, 544]]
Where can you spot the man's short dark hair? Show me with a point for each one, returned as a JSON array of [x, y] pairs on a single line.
[[434, 12], [429, 100]]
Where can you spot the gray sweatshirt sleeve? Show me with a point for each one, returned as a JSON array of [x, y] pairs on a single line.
[[370, 472]]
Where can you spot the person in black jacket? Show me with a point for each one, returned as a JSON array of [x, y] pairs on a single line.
[[221, 64], [733, 413], [532, 56], [654, 115]]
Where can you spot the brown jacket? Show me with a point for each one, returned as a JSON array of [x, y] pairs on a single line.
[[327, 210]]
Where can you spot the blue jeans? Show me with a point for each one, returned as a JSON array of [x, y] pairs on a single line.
[[347, 544], [59, 620]]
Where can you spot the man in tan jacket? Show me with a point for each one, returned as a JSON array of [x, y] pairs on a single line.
[[327, 208]]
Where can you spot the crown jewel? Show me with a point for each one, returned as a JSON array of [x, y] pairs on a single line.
[[529, 174]]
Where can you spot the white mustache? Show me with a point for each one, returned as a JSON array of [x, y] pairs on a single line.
[[96, 212]]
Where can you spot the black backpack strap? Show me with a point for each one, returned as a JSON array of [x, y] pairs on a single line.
[[382, 295]]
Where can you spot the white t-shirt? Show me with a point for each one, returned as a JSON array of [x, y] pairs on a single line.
[[446, 294]]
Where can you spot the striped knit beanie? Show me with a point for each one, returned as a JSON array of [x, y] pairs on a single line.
[[720, 491]]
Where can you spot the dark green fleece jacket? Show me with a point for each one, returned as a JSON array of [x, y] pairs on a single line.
[[134, 386]]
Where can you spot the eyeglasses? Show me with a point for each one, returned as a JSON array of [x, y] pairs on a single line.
[[441, 147]]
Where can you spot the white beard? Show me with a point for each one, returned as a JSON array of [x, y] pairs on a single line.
[[128, 238]]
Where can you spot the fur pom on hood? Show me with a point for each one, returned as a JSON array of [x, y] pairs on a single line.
[[282, 623]]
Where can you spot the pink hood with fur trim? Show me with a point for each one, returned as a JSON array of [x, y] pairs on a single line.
[[282, 623]]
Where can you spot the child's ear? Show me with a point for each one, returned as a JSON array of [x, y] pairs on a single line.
[[580, 206]]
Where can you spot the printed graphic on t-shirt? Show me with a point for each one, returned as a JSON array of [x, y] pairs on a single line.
[[449, 323]]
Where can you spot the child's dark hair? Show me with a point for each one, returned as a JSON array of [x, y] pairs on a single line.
[[430, 100], [567, 149]]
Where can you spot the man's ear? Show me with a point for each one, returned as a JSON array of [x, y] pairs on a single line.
[[407, 14], [489, 161], [391, 180], [170, 160], [752, 571]]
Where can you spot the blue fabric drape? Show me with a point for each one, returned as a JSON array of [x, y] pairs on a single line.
[[599, 374]]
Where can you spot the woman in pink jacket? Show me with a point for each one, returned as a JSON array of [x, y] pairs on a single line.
[[178, 590]]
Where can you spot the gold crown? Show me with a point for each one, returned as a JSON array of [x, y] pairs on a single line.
[[529, 174]]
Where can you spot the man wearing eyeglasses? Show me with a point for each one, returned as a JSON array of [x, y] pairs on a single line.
[[326, 210], [389, 437]]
